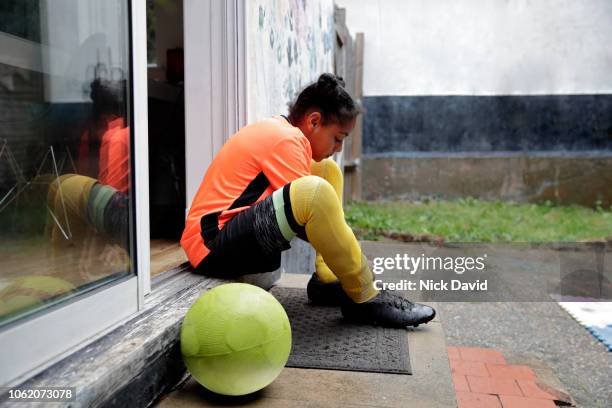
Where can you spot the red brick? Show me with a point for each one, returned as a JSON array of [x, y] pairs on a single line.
[[460, 382], [531, 389], [494, 385], [524, 402], [483, 355], [518, 372], [474, 400], [453, 353], [468, 368]]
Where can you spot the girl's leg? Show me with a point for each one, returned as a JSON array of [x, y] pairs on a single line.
[[310, 208], [316, 207], [67, 201], [318, 203], [311, 205], [329, 170]]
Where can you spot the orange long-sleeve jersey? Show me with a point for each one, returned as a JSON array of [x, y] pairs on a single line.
[[115, 156], [257, 160]]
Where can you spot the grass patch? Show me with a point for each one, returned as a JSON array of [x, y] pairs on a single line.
[[472, 220]]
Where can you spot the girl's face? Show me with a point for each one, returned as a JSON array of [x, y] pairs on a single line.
[[325, 140]]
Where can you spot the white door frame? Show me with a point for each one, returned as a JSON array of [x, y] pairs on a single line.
[[215, 79], [140, 123]]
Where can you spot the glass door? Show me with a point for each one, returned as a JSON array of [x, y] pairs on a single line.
[[66, 170]]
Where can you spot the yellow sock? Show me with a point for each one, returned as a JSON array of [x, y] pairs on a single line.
[[315, 206], [330, 171]]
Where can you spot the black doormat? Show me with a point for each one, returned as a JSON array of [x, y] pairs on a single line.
[[322, 339]]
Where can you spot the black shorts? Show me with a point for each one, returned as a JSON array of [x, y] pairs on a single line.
[[251, 242]]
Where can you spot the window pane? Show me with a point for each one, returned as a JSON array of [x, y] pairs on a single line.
[[65, 189]]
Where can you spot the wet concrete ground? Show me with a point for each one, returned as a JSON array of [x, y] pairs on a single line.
[[540, 330]]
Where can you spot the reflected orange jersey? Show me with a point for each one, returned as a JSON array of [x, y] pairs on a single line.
[[115, 156], [257, 160]]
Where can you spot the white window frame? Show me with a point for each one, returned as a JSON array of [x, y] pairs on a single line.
[[215, 81], [32, 344], [141, 147]]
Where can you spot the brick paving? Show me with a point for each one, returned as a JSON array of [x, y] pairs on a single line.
[[483, 379]]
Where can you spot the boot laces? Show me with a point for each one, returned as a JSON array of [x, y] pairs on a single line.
[[395, 300]]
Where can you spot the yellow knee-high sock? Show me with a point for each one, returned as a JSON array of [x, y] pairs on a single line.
[[67, 198], [330, 171], [315, 206]]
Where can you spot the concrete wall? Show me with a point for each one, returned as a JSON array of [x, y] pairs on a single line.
[[583, 180], [491, 123], [466, 78]]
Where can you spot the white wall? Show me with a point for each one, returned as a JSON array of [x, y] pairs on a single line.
[[484, 47]]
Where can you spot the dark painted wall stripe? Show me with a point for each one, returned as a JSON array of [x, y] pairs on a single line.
[[487, 123]]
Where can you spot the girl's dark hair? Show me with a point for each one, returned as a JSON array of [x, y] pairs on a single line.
[[109, 97], [328, 96]]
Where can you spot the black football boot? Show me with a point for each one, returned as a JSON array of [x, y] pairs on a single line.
[[325, 294], [388, 309]]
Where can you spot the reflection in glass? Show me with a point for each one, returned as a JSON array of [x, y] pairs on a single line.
[[65, 189]]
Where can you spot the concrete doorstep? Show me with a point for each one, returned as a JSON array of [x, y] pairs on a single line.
[[139, 364], [430, 385], [135, 363]]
